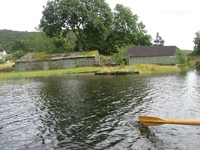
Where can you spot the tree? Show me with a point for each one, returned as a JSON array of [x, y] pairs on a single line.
[[182, 58], [120, 56], [20, 45], [38, 42], [196, 44], [125, 26], [88, 19], [143, 39], [158, 41], [126, 29]]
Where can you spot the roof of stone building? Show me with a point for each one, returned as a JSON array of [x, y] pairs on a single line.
[[146, 51], [32, 56]]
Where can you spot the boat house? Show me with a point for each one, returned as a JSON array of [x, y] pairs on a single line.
[[45, 61], [162, 55]]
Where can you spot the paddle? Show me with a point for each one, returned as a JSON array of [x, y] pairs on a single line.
[[155, 121]]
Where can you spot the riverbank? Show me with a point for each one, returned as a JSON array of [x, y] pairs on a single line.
[[141, 68]]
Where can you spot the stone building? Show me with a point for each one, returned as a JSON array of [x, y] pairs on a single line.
[[45, 61]]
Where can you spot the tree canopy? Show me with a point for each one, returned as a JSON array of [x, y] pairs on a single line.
[[88, 19], [127, 30], [94, 24]]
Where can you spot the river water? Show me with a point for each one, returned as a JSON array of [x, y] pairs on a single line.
[[99, 112]]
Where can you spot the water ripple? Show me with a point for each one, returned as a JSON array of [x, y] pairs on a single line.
[[99, 112]]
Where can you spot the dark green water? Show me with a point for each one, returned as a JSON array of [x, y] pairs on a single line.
[[99, 112]]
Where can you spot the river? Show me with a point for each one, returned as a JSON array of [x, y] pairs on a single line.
[[99, 112]]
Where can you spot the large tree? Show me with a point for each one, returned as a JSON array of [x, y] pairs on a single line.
[[125, 25], [127, 30], [143, 39], [90, 20]]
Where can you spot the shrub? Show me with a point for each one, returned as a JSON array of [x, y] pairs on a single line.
[[120, 57], [2, 61], [182, 58]]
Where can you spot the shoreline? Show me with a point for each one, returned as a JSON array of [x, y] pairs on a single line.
[[136, 69]]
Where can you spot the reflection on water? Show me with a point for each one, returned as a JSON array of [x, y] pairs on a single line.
[[99, 112]]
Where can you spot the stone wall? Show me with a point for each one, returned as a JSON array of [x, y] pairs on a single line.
[[57, 64], [34, 65], [108, 62], [82, 62]]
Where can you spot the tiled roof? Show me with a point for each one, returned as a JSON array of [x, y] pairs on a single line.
[[146, 51]]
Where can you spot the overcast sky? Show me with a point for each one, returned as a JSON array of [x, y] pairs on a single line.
[[175, 20]]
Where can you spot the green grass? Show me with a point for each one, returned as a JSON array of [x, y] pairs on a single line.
[[142, 68], [16, 74]]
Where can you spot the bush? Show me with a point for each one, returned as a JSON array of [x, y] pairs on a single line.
[[17, 54], [182, 58], [2, 61], [120, 57]]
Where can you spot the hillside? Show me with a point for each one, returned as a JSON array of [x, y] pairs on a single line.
[[8, 38]]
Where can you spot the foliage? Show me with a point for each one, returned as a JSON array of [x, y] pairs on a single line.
[[83, 17], [18, 54], [120, 56], [2, 61], [9, 58], [143, 39], [196, 44], [125, 25], [182, 58], [20, 45], [193, 59], [158, 40], [9, 37], [126, 29], [39, 42], [13, 41]]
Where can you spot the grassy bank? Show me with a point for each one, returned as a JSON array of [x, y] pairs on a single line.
[[145, 68], [142, 68], [16, 74]]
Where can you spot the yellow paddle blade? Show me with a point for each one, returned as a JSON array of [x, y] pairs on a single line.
[[155, 121], [151, 121]]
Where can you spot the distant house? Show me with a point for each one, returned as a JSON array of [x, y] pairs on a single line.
[[163, 55], [45, 61], [3, 55]]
